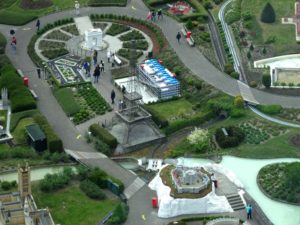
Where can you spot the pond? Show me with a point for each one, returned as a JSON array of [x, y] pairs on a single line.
[[36, 174], [246, 171]]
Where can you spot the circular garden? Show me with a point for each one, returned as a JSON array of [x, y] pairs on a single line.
[[281, 181]]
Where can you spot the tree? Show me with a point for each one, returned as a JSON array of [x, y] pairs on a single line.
[[266, 80], [238, 101], [264, 51], [268, 14], [251, 47], [249, 56], [199, 138]]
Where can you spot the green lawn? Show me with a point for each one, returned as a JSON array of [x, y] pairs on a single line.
[[71, 206], [67, 101], [3, 115], [173, 110], [19, 132], [286, 42]]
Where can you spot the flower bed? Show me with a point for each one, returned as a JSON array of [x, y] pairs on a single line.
[[72, 29], [281, 181], [37, 4], [102, 26], [54, 53], [68, 73], [44, 45], [140, 44], [126, 53], [258, 132], [58, 35], [133, 35], [116, 29]]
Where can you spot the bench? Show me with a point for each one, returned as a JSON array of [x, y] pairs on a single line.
[[20, 73], [117, 60], [33, 94]]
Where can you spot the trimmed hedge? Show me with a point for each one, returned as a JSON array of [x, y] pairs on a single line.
[[103, 135], [269, 109], [119, 215], [158, 119], [19, 95], [117, 182], [2, 43], [16, 117], [97, 3], [92, 190], [234, 138], [55, 144]]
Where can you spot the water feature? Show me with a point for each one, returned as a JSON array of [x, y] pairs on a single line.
[[127, 163], [36, 174], [246, 171]]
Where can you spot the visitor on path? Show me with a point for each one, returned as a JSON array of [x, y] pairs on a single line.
[[159, 14], [249, 211], [153, 15], [113, 60], [38, 24], [149, 16], [123, 89], [77, 7], [101, 66], [214, 180], [14, 44], [87, 68], [112, 96], [108, 56], [38, 71], [95, 56], [178, 36], [96, 74]]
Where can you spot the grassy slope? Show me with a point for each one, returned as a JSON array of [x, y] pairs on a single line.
[[19, 132], [67, 101], [71, 206], [283, 8]]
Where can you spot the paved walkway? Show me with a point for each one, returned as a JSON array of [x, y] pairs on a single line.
[[140, 202]]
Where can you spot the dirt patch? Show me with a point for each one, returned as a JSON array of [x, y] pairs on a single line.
[[295, 140], [39, 4]]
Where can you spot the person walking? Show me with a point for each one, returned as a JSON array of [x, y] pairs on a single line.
[[178, 36], [159, 14], [112, 96], [149, 16], [38, 71], [95, 56], [96, 74], [14, 44], [108, 55], [153, 15], [250, 212], [38, 24], [77, 7], [87, 68], [101, 66]]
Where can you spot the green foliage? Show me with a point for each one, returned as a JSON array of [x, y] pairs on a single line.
[[99, 3], [19, 95], [117, 182], [103, 148], [266, 80], [159, 119], [133, 35], [238, 101], [15, 18], [270, 109], [253, 84], [126, 53], [268, 14], [16, 117], [54, 142], [98, 177], [228, 68], [5, 185], [293, 174], [189, 24], [237, 113], [54, 53], [119, 215], [67, 101], [2, 44], [92, 190], [116, 29], [139, 44], [235, 75], [234, 13], [103, 135], [54, 182], [234, 138]]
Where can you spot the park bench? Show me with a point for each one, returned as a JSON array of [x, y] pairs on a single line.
[[117, 60], [33, 94], [20, 73], [190, 40]]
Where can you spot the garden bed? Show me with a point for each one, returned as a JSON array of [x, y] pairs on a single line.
[[58, 35], [281, 181], [126, 53], [46, 45], [116, 29], [133, 35], [54, 53], [102, 26], [72, 29], [140, 44]]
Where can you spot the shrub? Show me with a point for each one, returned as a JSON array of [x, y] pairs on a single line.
[[238, 101], [237, 113], [199, 138], [266, 80], [189, 24], [228, 68], [117, 182], [103, 148], [235, 75], [98, 177], [103, 135], [119, 215], [234, 138], [270, 109], [2, 43], [54, 142], [268, 14], [91, 190], [253, 84], [5, 185]]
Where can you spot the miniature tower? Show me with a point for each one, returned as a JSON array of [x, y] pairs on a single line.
[[24, 181], [4, 97]]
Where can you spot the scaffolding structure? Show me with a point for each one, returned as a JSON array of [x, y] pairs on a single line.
[[160, 81]]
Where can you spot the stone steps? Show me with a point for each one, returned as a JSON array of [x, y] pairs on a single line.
[[134, 187], [235, 202]]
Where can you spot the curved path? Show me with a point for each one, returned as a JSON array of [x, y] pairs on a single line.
[[191, 57]]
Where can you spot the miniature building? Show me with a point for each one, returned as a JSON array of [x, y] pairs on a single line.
[[93, 39], [19, 208], [160, 81], [36, 137], [189, 180]]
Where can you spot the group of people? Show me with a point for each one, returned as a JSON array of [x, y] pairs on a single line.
[[152, 15]]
